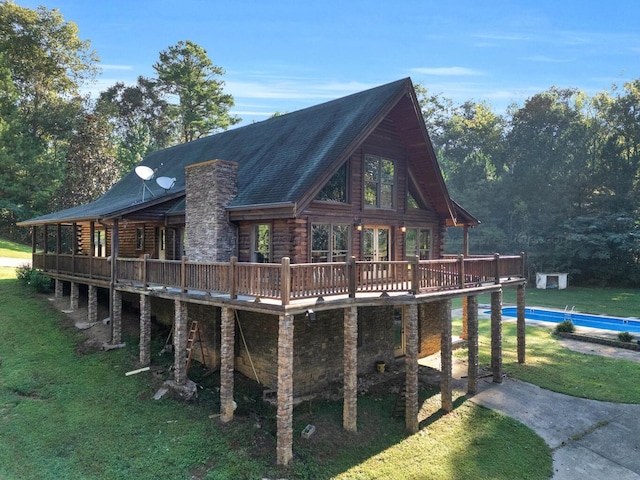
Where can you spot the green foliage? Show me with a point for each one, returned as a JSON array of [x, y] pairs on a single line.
[[186, 71], [33, 278], [565, 326], [625, 337]]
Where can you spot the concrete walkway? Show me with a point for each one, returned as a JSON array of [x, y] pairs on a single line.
[[589, 439], [14, 262]]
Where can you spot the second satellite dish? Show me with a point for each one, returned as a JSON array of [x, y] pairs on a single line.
[[166, 182], [144, 172]]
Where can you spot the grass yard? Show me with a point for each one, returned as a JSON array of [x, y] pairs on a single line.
[[67, 413], [14, 250]]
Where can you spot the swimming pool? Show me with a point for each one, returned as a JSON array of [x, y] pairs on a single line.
[[578, 319]]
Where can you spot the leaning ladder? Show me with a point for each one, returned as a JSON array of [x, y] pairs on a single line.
[[194, 336]]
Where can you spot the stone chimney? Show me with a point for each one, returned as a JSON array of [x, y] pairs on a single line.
[[210, 187]]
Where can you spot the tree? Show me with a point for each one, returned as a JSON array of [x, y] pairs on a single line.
[[140, 119], [48, 62], [185, 70], [91, 166]]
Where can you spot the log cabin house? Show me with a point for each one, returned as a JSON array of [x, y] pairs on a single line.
[[307, 247]]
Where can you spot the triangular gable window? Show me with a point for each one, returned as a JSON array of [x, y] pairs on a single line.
[[336, 189], [411, 201]]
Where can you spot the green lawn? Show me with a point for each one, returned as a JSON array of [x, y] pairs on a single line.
[[66, 414], [14, 250]]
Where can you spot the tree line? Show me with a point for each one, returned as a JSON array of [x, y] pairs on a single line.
[[557, 177], [60, 148]]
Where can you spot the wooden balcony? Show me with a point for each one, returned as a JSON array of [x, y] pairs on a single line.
[[284, 282]]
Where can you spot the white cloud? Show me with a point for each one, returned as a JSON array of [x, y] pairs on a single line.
[[449, 71]]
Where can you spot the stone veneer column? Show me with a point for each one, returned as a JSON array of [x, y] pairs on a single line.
[[496, 336], [116, 321], [74, 296], [227, 342], [284, 441], [465, 318], [521, 324], [92, 304], [472, 343], [350, 359], [180, 335], [145, 330], [210, 188], [411, 368], [446, 357], [59, 288]]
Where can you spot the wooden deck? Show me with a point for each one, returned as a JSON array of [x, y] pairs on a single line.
[[284, 282]]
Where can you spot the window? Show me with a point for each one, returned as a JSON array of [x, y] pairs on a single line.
[[336, 189], [139, 238], [329, 242], [261, 243], [411, 201], [379, 177], [418, 242], [99, 244]]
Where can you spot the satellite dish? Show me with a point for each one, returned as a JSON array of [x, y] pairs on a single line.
[[166, 182], [144, 172]]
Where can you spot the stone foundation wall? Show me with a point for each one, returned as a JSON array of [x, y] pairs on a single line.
[[430, 318]]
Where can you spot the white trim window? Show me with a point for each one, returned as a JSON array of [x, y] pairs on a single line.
[[417, 242], [330, 242], [379, 182]]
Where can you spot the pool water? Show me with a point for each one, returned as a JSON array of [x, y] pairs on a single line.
[[578, 319]]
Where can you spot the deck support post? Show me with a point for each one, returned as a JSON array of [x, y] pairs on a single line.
[[521, 324], [446, 357], [92, 304], [496, 335], [472, 344], [145, 330], [116, 317], [180, 334], [411, 368], [284, 441], [59, 288], [350, 359], [227, 341], [74, 296]]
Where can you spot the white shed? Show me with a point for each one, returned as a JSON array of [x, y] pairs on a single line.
[[551, 280]]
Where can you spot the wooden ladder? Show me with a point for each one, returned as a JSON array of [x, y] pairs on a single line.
[[194, 336]]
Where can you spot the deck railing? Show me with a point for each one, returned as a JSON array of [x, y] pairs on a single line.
[[286, 282]]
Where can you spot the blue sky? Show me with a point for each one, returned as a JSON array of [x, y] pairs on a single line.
[[283, 55]]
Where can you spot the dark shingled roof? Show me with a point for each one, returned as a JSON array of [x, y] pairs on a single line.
[[279, 159]]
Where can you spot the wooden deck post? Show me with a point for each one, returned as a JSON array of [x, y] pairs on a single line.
[[92, 304], [180, 332], [351, 271], [496, 336], [183, 274], [227, 341], [415, 274], [472, 343], [232, 278], [284, 440], [411, 368], [496, 258], [446, 357], [285, 281], [145, 274], [350, 361], [145, 330], [521, 324]]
